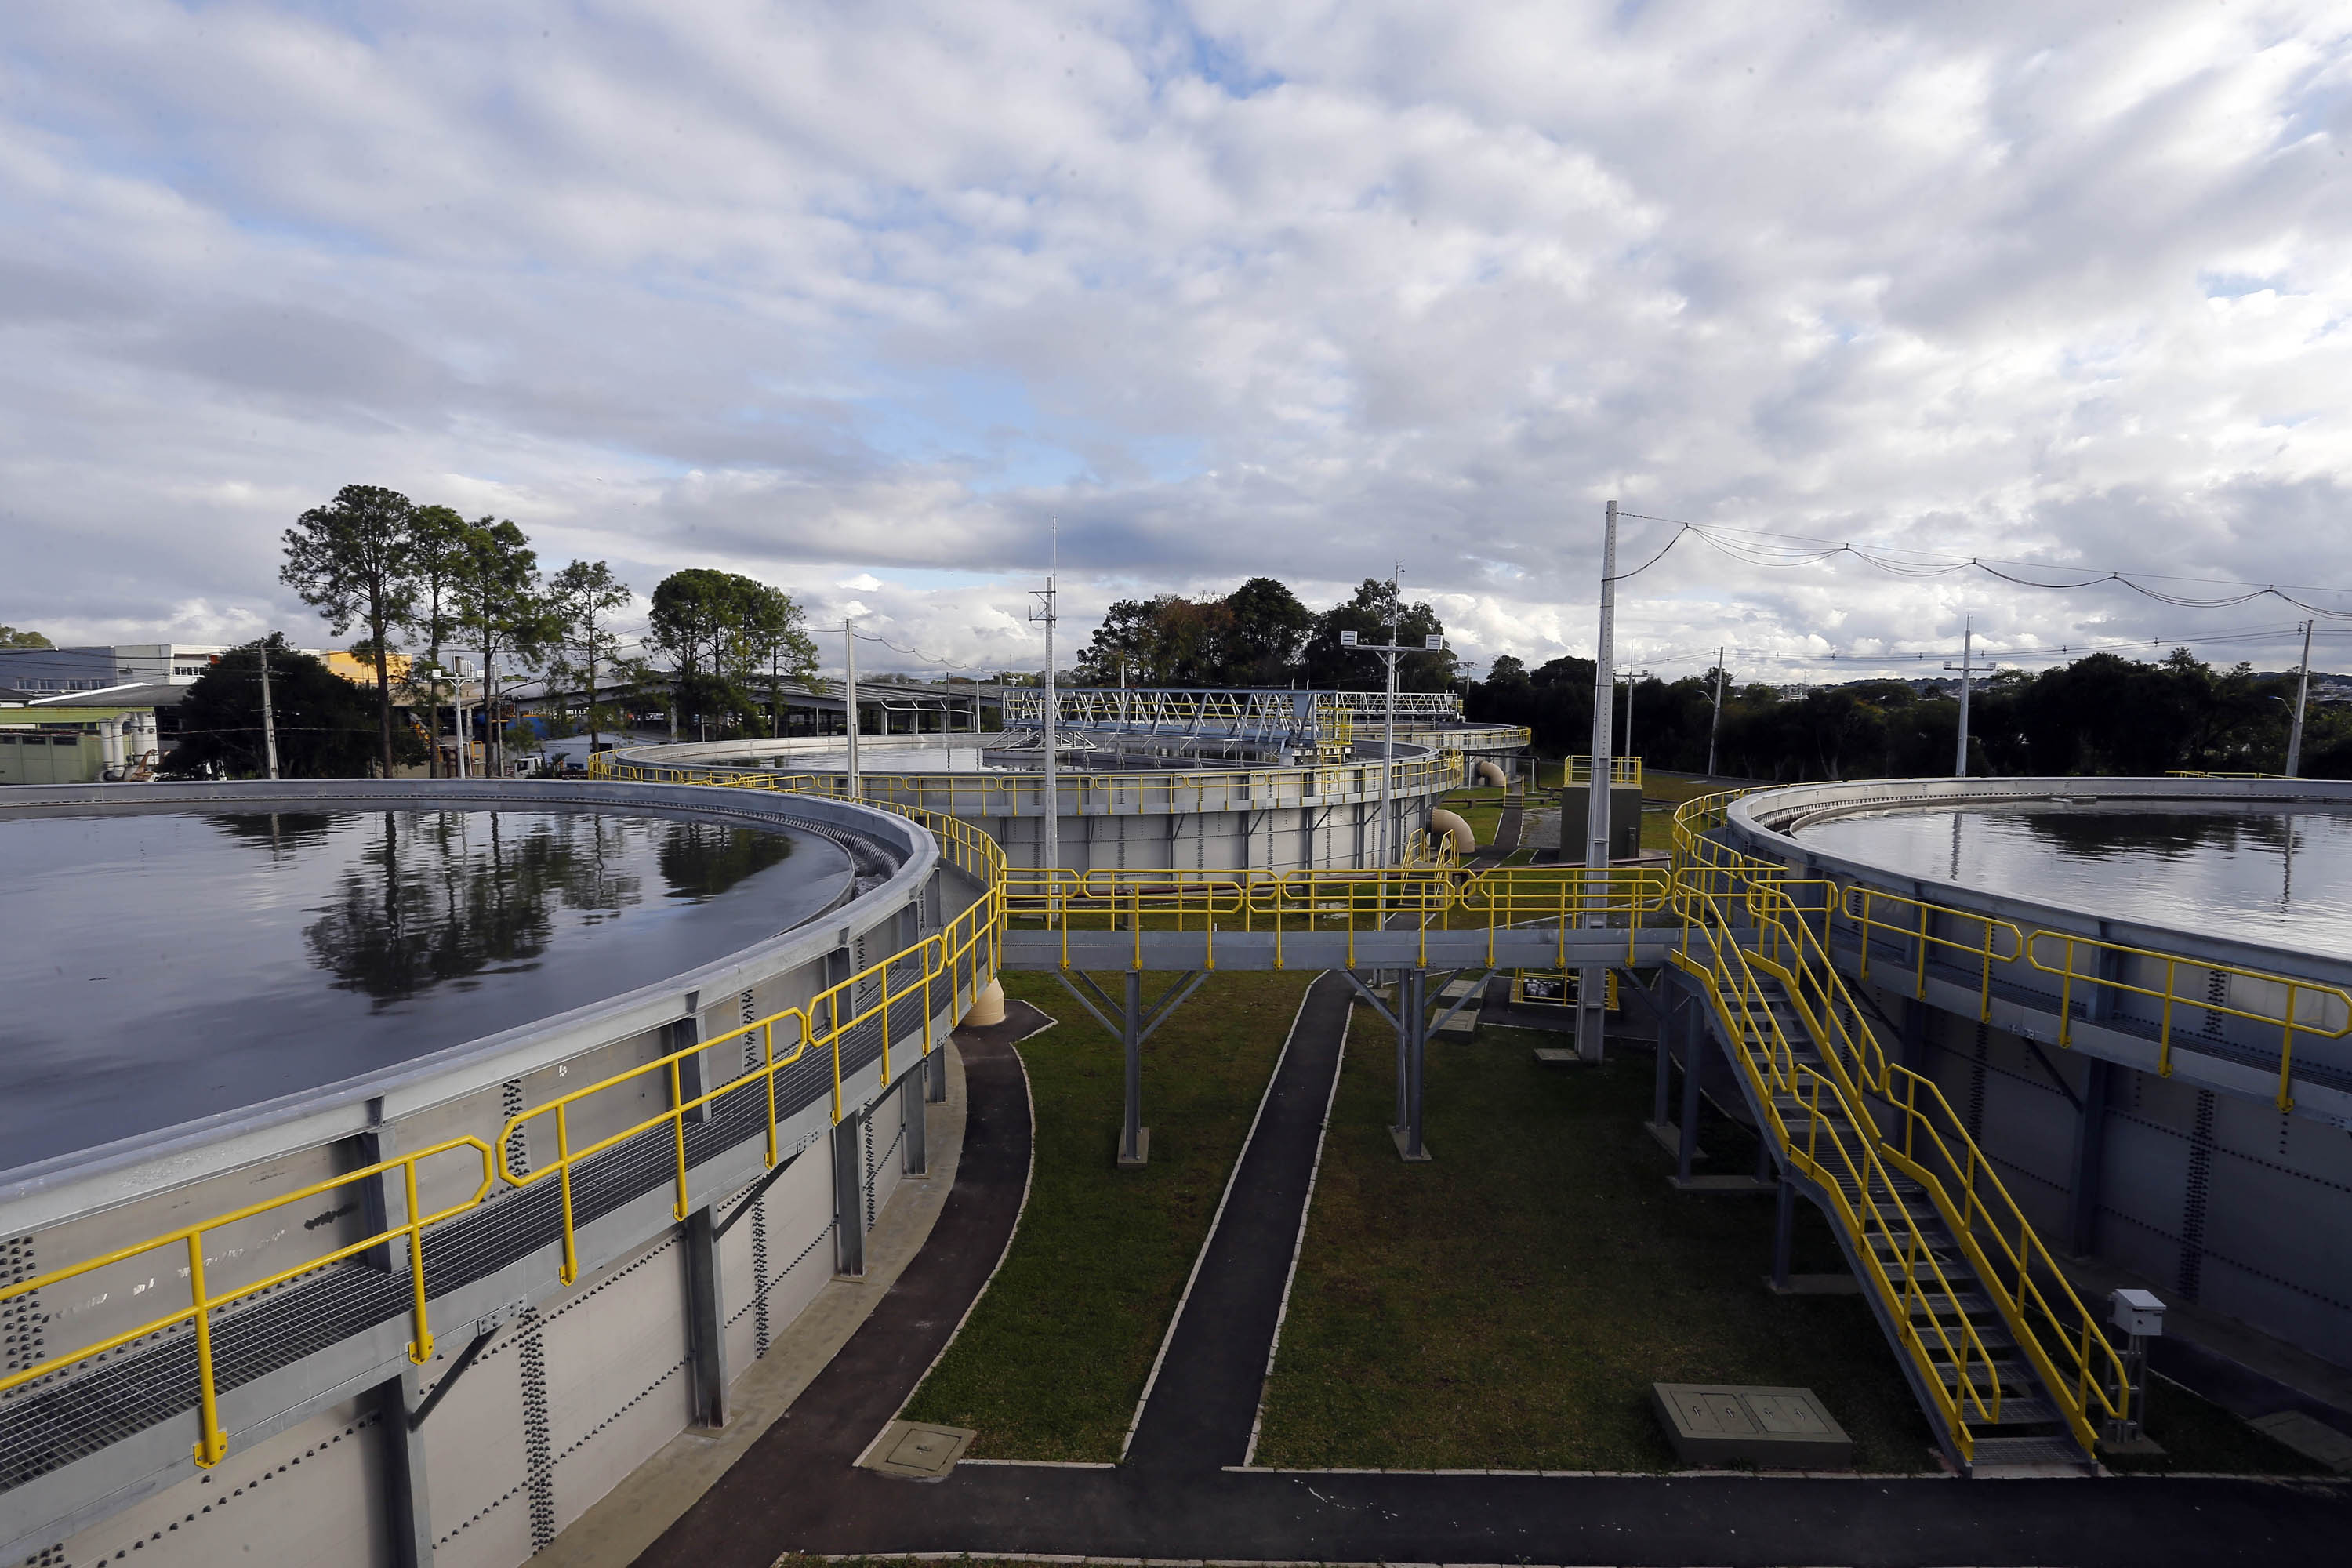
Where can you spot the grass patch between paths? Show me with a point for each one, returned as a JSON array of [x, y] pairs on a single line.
[[1510, 1304], [1054, 1356]]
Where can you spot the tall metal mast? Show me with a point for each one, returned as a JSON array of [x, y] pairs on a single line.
[[2301, 694], [268, 715], [849, 701], [1967, 649], [1593, 982], [1714, 721], [1049, 611]]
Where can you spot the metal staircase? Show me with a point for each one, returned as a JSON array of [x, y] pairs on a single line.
[[2014, 1376]]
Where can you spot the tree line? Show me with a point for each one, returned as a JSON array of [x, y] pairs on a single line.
[[2101, 714], [426, 580], [1261, 635]]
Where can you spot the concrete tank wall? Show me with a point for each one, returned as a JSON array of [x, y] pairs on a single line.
[[575, 1385]]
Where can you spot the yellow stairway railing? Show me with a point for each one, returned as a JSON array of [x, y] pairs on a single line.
[[1745, 916]]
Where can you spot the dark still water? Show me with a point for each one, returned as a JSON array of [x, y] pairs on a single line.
[[159, 967], [2269, 876]]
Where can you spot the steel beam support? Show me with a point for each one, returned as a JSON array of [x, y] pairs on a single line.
[[1131, 1134], [1914, 1044], [1134, 1025], [408, 1500], [1693, 1043], [915, 1156], [706, 1319], [935, 1074], [1416, 1021], [849, 1195], [381, 1205], [1784, 1224], [2087, 1159]]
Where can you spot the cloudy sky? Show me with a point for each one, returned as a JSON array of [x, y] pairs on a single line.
[[855, 297]]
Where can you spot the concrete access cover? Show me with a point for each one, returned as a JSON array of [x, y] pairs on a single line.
[[915, 1451], [1776, 1428]]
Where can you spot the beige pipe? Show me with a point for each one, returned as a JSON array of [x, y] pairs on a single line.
[[988, 1007], [1454, 831], [1491, 772]]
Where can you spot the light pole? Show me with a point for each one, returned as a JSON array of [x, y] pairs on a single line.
[[1049, 611], [1715, 720], [1591, 983], [1389, 651], [1967, 649], [268, 715], [2301, 695], [849, 700]]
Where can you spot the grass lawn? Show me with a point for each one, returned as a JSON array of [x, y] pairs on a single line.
[[1509, 1304], [1053, 1359]]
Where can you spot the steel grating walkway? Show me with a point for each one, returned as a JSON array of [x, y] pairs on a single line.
[[79, 1411]]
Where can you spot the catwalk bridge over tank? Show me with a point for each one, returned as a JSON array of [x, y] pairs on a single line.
[[177, 1308]]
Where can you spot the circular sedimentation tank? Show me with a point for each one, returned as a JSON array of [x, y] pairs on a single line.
[[168, 965], [2273, 872]]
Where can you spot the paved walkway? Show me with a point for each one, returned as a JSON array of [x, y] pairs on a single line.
[[1175, 1497]]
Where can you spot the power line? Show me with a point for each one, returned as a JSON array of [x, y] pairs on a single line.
[[1758, 547]]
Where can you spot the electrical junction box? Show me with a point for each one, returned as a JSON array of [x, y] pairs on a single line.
[[1773, 1428], [2138, 1313]]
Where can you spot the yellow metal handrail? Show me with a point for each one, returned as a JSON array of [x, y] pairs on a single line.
[[1578, 770], [970, 943], [2052, 1329], [2212, 773], [2292, 995], [1311, 902], [212, 1443], [1861, 904], [1743, 1009]]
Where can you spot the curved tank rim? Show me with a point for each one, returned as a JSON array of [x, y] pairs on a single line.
[[509, 1051]]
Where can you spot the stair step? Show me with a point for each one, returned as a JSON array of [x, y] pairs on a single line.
[[2028, 1456]]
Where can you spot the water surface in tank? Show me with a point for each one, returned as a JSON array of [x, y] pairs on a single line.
[[2270, 876], [163, 966]]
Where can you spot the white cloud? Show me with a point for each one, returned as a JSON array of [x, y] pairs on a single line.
[[856, 300]]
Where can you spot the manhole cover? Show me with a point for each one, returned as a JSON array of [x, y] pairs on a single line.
[[919, 1452]]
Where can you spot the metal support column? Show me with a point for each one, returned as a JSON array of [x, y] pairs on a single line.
[[1915, 1035], [1413, 1038], [706, 1321], [935, 1074], [2087, 1159], [384, 1200], [407, 1501], [1784, 1225], [1134, 1138], [1694, 1044], [849, 1195], [915, 1154]]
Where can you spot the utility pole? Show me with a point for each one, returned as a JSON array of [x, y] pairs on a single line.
[[1629, 714], [1967, 649], [1591, 983], [268, 714], [1049, 611], [1714, 722], [457, 701], [2302, 693], [1385, 846], [849, 701]]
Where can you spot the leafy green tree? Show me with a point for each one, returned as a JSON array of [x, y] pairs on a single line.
[[720, 631], [583, 598], [438, 556], [1367, 615], [325, 729], [11, 637], [352, 560], [502, 611], [1266, 630]]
